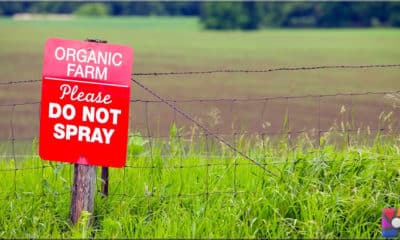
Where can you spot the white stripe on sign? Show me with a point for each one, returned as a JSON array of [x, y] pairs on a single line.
[[96, 83]]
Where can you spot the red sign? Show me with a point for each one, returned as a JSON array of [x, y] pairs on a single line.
[[85, 102]]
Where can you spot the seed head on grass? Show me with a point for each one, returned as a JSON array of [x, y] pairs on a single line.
[[395, 98]]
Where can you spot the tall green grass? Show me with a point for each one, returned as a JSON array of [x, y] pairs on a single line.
[[195, 188]]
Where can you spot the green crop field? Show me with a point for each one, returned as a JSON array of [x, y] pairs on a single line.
[[331, 180]]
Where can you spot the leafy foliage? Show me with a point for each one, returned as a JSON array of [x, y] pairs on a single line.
[[326, 192], [253, 15], [234, 15], [231, 15], [92, 9]]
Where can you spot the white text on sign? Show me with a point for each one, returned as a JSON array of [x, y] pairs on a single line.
[[87, 63], [75, 95], [83, 133], [89, 114]]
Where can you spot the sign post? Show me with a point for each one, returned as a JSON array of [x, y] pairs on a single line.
[[83, 191], [85, 111], [104, 170], [104, 183], [84, 186]]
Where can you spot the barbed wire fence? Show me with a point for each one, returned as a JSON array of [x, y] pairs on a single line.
[[166, 164]]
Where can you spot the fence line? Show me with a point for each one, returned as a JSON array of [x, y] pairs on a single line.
[[268, 98], [249, 99], [303, 68], [269, 69], [233, 160], [233, 134]]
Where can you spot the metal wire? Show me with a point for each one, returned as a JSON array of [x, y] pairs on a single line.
[[233, 161], [267, 70], [250, 99], [202, 127]]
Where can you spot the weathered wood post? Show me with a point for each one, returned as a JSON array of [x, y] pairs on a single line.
[[104, 170], [104, 181], [84, 185], [83, 191]]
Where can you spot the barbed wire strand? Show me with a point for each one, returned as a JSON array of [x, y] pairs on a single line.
[[20, 82], [302, 68], [250, 99], [206, 131], [201, 100], [188, 117], [233, 134]]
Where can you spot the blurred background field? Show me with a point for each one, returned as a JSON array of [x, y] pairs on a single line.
[[164, 44], [334, 157]]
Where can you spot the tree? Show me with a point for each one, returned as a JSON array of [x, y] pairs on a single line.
[[92, 9], [10, 8], [182, 8], [231, 15], [394, 14]]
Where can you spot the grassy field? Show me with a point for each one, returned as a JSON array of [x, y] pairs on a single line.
[[172, 189], [194, 187]]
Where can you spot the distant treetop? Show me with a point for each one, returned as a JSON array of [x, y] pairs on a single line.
[[247, 15]]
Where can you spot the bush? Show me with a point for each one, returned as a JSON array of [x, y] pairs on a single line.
[[394, 20], [230, 15], [394, 17], [92, 9]]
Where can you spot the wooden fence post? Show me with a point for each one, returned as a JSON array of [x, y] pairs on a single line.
[[83, 191], [104, 170], [104, 181], [84, 185]]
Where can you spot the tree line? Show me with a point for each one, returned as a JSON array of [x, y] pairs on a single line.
[[247, 15]]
